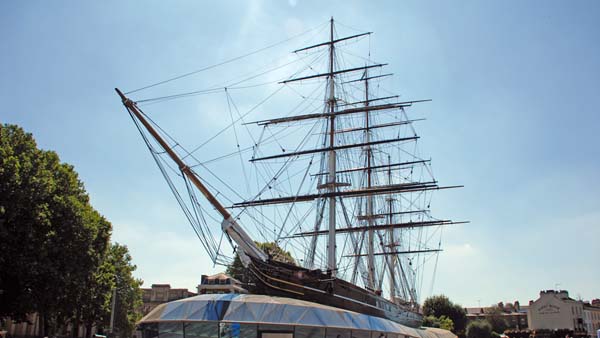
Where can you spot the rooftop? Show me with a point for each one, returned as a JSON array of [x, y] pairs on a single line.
[[244, 308]]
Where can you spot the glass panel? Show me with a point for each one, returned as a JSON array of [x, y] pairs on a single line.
[[276, 335], [268, 327], [202, 330], [337, 333], [170, 330], [248, 331], [237, 330], [376, 334], [150, 330], [361, 334], [275, 331], [310, 332]]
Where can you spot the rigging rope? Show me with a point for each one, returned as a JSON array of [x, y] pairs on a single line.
[[193, 221], [221, 87], [226, 61]]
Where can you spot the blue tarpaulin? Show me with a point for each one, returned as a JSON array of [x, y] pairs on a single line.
[[260, 309]]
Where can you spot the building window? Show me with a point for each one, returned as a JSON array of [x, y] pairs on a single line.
[[337, 333], [309, 332], [201, 330], [170, 330], [275, 328], [275, 331], [237, 330], [150, 330], [375, 334], [265, 334], [361, 334]]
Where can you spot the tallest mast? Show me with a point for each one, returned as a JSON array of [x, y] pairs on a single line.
[[371, 234], [331, 260]]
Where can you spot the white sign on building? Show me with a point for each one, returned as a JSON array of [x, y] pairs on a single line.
[[556, 310]]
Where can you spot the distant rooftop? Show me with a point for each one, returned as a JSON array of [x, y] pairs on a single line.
[[220, 276]]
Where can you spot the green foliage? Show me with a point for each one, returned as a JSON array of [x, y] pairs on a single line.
[[50, 237], [95, 299], [440, 306], [276, 252], [430, 321], [55, 246], [495, 318], [237, 270], [442, 322], [128, 292], [446, 323], [115, 274], [479, 329]]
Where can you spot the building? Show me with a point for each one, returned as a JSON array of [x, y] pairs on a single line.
[[555, 310], [161, 293], [514, 315], [30, 327], [591, 318], [220, 283]]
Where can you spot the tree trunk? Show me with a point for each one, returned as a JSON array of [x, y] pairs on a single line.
[[43, 328], [75, 325], [88, 330]]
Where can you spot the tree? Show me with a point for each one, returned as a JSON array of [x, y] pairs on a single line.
[[440, 305], [494, 317], [90, 293], [437, 305], [430, 321], [237, 270], [443, 322], [113, 276], [446, 323], [479, 329], [95, 302], [128, 291], [51, 239]]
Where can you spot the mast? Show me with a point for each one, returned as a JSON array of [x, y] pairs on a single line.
[[392, 259], [229, 224], [362, 171], [371, 234], [331, 260]]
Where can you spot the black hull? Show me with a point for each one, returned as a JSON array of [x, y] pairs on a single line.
[[284, 280]]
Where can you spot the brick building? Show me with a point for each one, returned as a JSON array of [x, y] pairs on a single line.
[[220, 283], [513, 314], [161, 293]]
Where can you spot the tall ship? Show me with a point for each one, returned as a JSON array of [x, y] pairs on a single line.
[[329, 174]]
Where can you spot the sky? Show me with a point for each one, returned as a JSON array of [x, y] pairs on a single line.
[[514, 118]]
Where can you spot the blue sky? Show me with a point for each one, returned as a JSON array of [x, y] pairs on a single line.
[[514, 118]]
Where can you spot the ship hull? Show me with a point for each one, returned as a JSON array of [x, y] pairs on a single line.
[[285, 280]]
